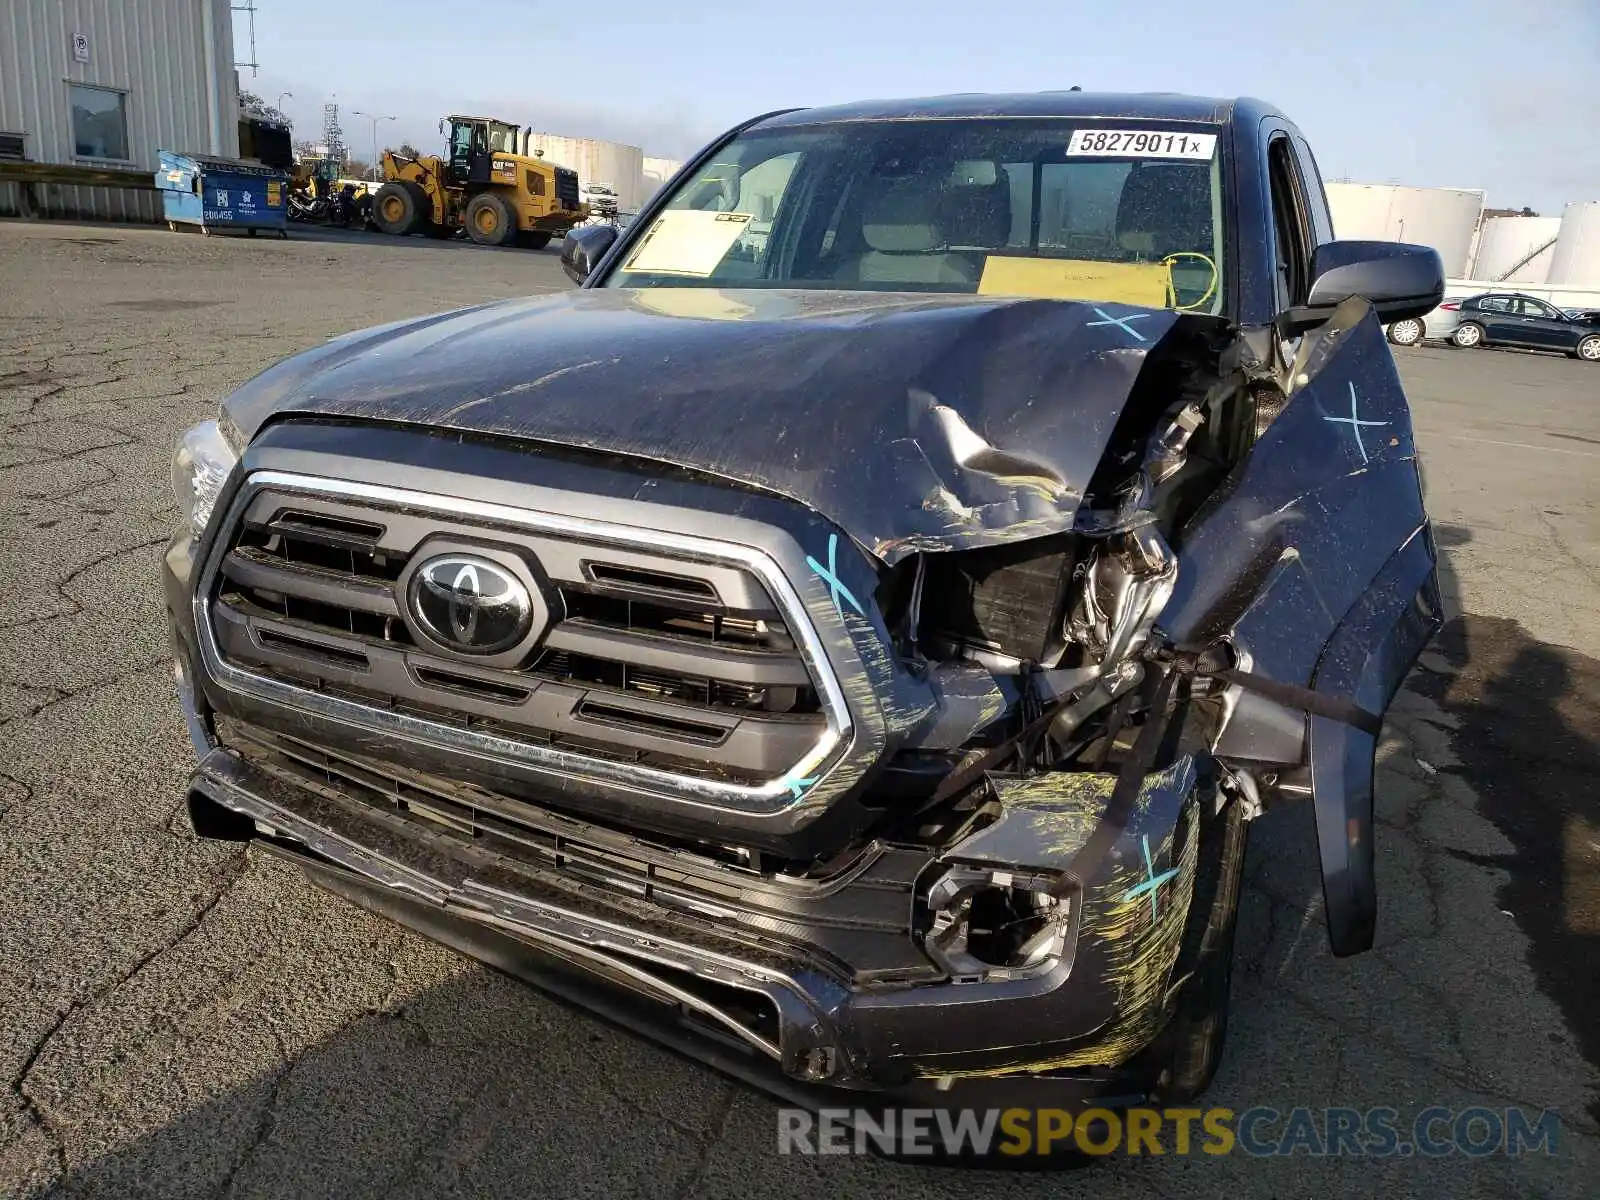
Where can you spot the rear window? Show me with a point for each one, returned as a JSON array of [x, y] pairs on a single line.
[[1004, 207]]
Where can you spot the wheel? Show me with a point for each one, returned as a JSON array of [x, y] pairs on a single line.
[[533, 240], [491, 221], [1589, 348], [398, 208], [1407, 332], [1190, 1048], [1467, 335]]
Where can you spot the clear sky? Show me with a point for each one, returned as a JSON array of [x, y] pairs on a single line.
[[1495, 94]]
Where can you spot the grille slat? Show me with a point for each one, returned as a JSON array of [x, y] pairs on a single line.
[[648, 658]]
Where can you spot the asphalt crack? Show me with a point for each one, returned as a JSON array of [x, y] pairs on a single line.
[[721, 1110], [223, 880], [267, 1123]]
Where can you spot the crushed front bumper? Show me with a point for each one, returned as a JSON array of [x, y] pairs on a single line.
[[814, 989]]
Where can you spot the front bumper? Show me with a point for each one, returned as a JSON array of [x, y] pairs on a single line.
[[812, 991], [802, 1034]]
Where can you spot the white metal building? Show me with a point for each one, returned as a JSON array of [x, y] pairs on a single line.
[[108, 83], [610, 164], [1444, 218]]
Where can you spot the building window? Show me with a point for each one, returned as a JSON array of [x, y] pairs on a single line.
[[99, 122]]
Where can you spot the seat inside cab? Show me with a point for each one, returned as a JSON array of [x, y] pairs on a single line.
[[940, 228]]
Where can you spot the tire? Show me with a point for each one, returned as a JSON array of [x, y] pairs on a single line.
[[1468, 335], [1407, 332], [1191, 1045], [398, 208], [490, 219], [533, 240], [1588, 348]]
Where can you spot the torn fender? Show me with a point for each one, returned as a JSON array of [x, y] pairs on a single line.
[[912, 421], [1366, 659]]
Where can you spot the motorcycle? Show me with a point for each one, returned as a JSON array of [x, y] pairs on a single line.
[[303, 206], [347, 209]]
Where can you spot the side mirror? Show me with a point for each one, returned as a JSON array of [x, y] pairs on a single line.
[[1397, 279], [583, 248]]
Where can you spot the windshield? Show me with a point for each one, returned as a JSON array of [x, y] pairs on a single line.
[[1029, 208]]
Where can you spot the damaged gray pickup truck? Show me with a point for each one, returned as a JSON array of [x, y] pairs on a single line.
[[847, 637]]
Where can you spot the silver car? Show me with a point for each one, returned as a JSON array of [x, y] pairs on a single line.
[[1438, 325]]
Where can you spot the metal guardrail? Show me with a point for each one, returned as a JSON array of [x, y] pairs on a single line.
[[77, 176], [27, 175]]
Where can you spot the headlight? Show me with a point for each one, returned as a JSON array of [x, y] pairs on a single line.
[[199, 469]]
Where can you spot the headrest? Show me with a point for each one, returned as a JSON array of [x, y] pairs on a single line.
[[901, 217], [977, 215], [1169, 205]]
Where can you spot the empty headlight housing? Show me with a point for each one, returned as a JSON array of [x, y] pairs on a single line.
[[200, 467]]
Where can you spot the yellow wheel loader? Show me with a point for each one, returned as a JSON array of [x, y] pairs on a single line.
[[488, 184]]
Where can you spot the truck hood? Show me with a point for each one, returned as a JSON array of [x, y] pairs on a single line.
[[912, 421]]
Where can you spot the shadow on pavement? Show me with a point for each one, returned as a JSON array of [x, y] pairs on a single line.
[[1529, 743]]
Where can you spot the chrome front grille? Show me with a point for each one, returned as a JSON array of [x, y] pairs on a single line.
[[673, 662]]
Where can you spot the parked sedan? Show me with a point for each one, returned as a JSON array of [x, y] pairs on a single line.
[[1437, 326], [1510, 319]]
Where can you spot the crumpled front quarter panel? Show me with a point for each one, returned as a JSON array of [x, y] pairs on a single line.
[[1330, 491]]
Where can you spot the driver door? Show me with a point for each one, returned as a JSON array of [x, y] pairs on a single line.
[[467, 153], [1542, 326]]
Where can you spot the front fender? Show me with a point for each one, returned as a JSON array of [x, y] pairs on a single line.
[[1365, 660]]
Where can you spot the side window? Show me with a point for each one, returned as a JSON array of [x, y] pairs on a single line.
[[1538, 308], [1495, 304], [1316, 195], [1292, 237]]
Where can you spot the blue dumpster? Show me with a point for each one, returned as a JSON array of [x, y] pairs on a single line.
[[223, 193]]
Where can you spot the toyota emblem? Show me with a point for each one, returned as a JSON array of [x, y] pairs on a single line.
[[470, 604]]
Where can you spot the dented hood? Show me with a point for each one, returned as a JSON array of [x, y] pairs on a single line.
[[913, 422]]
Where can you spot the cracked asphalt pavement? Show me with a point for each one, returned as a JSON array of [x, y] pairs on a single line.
[[186, 1019]]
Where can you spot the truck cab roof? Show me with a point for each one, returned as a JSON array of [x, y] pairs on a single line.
[[1144, 106]]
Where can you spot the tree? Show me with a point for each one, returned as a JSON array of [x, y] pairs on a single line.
[[407, 150]]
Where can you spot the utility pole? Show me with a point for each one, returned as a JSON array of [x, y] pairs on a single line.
[[374, 118]]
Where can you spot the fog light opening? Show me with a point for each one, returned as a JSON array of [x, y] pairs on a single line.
[[995, 925], [1007, 927]]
